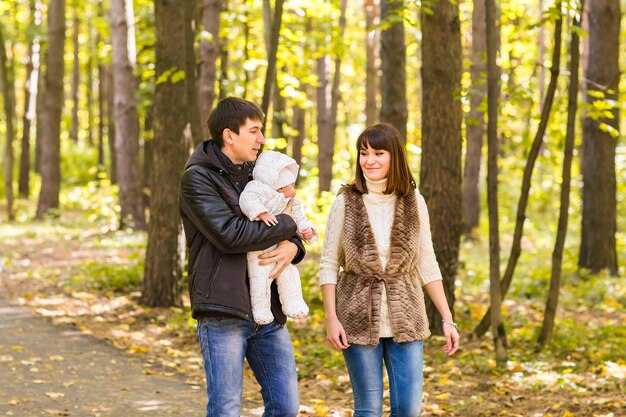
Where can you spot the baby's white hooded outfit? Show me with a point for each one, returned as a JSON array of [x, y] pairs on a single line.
[[273, 170]]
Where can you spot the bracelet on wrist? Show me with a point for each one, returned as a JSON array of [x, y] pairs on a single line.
[[451, 323]]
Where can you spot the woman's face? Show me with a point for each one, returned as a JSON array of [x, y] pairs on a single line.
[[374, 163]]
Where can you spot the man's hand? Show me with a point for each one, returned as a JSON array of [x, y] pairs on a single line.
[[281, 256], [268, 218]]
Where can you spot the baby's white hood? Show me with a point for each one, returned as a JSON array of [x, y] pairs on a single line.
[[275, 169]]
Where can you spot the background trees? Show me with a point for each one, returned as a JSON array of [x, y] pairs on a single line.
[[115, 140]]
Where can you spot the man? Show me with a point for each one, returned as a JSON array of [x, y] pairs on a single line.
[[218, 238]]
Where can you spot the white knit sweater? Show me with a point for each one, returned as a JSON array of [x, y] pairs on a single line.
[[380, 209]]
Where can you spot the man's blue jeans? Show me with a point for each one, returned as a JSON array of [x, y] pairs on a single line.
[[404, 363], [225, 342]]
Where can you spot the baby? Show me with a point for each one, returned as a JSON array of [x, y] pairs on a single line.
[[264, 197]]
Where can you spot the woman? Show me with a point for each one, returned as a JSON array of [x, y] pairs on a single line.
[[377, 256]]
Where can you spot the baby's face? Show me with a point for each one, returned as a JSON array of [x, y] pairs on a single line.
[[288, 190]]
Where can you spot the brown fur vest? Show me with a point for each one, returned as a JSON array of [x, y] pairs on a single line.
[[360, 283]]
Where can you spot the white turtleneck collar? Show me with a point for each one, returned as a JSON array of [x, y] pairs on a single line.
[[376, 187]]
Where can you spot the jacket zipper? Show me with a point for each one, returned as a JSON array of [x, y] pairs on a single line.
[[213, 277]]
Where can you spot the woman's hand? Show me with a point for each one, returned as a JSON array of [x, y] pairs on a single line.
[[336, 335], [452, 338]]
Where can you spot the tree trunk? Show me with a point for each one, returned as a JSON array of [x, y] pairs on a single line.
[[51, 112], [110, 106], [126, 119], [499, 339], [542, 53], [148, 162], [75, 74], [246, 43], [393, 62], [299, 124], [8, 95], [191, 80], [599, 224], [372, 47], [209, 51], [475, 122], [568, 152], [30, 95], [102, 115], [40, 100], [441, 175], [324, 150], [516, 247], [327, 123], [90, 83], [163, 274], [270, 74]]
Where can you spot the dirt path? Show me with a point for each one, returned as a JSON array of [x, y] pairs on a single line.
[[47, 369]]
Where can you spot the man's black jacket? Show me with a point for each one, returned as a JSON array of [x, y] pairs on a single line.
[[219, 235]]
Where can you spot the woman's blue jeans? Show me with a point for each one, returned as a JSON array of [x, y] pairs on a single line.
[[404, 363], [225, 342]]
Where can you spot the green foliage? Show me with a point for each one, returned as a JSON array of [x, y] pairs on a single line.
[[108, 276]]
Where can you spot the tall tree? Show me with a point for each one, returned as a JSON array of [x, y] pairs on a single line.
[[30, 95], [372, 48], [162, 280], [475, 121], [516, 245], [270, 74], [8, 94], [393, 108], [441, 174], [110, 108], [499, 337], [75, 71], [126, 119], [51, 112], [327, 106], [102, 91], [39, 103], [191, 80], [568, 154], [208, 53], [599, 220]]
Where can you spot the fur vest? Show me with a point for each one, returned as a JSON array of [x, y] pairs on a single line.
[[360, 283]]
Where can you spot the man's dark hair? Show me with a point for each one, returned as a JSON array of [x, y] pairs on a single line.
[[231, 113]]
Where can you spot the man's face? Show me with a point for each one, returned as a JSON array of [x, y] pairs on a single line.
[[244, 146]]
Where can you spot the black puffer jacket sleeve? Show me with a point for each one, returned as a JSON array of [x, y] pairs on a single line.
[[212, 204]]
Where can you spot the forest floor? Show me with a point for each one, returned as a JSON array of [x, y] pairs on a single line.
[[83, 279]]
